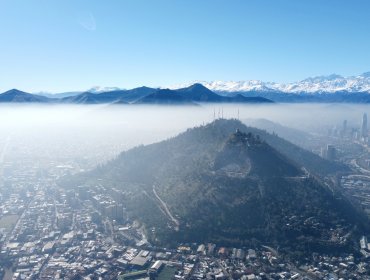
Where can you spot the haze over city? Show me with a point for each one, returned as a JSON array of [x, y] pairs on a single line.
[[189, 139]]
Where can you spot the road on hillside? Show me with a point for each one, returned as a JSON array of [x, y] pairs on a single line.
[[167, 211]]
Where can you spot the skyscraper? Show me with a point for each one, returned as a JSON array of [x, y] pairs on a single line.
[[364, 126], [330, 152]]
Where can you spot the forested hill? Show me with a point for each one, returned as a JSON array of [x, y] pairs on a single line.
[[193, 149], [230, 184]]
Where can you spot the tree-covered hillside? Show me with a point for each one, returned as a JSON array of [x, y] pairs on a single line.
[[230, 184]]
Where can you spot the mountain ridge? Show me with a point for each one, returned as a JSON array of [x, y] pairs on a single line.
[[313, 85], [321, 89], [18, 96], [142, 95]]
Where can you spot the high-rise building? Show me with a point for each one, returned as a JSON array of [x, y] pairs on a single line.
[[364, 126], [330, 152]]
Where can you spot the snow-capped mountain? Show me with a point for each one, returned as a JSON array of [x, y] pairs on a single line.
[[99, 89], [321, 84]]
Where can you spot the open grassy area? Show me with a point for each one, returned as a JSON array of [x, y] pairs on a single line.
[[8, 222], [167, 273]]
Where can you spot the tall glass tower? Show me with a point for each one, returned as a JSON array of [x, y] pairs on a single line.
[[364, 126]]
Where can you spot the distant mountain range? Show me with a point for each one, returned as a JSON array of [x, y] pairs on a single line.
[[191, 95], [333, 88], [314, 85]]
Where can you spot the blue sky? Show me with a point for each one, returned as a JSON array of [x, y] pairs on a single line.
[[56, 46]]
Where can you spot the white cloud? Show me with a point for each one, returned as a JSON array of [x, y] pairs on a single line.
[[87, 21]]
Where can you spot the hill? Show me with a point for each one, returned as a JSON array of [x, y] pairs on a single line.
[[199, 93], [165, 96], [17, 96], [85, 98], [141, 95], [135, 94], [195, 94], [296, 136], [226, 184], [59, 95], [115, 96]]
